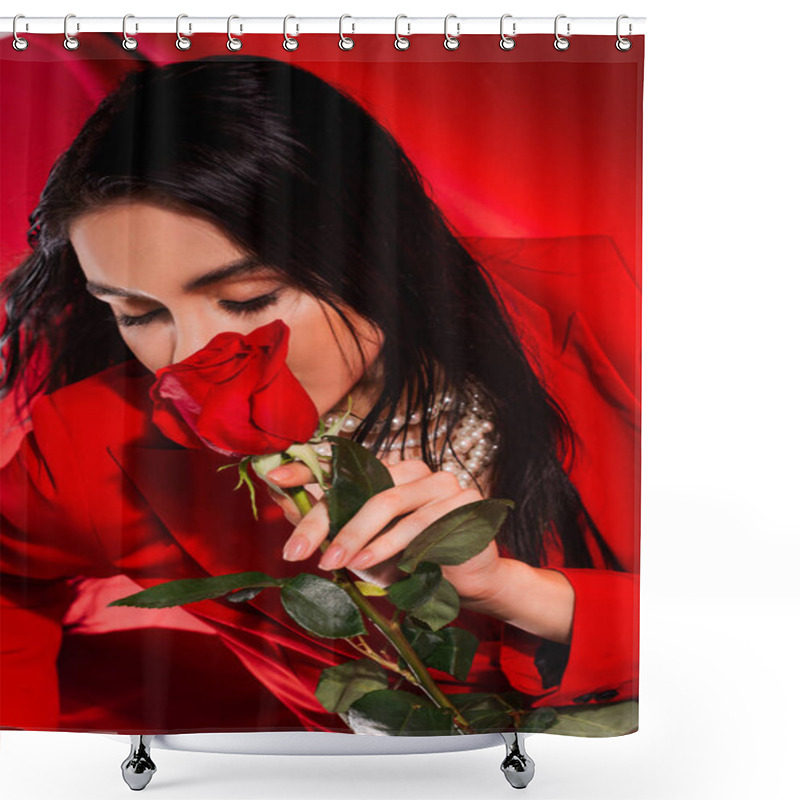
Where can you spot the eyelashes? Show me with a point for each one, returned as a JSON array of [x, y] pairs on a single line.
[[229, 306]]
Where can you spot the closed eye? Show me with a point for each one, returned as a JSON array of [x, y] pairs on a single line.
[[229, 306]]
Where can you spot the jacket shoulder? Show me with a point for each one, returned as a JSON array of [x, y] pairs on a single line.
[[114, 398]]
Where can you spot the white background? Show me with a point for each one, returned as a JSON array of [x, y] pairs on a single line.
[[719, 699]]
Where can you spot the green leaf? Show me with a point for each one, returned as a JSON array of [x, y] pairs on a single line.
[[541, 719], [441, 609], [459, 535], [191, 590], [450, 649], [370, 589], [322, 607], [263, 464], [309, 456], [392, 712], [357, 475], [417, 588], [597, 719], [485, 712], [427, 596], [342, 685]]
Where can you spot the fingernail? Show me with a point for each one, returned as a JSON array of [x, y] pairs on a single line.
[[362, 560], [295, 548], [332, 557], [279, 473]]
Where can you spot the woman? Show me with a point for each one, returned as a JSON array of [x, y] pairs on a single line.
[[259, 204]]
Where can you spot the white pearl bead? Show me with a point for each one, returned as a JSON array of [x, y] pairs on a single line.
[[412, 441], [415, 418], [350, 424], [473, 464], [398, 422], [450, 466], [464, 478], [462, 444], [487, 425]]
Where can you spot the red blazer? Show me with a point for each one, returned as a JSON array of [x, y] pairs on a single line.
[[97, 503]]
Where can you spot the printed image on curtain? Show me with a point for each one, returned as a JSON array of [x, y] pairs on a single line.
[[321, 386]]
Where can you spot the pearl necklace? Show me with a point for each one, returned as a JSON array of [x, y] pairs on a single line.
[[473, 442]]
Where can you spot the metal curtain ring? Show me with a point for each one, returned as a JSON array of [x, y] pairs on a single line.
[[623, 45], [128, 42], [400, 42], [345, 42], [19, 43], [507, 42], [182, 43], [289, 43], [561, 43], [70, 42], [451, 42], [233, 44]]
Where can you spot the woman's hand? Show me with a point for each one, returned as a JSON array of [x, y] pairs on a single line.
[[371, 543]]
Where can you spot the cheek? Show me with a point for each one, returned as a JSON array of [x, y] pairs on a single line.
[[152, 351], [327, 368]]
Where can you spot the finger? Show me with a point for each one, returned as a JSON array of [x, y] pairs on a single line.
[[383, 508], [293, 474], [397, 538], [309, 534], [288, 505]]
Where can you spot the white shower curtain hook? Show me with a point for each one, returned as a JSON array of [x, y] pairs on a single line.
[[70, 42], [507, 42], [182, 43], [623, 45], [289, 43], [18, 42], [128, 42], [561, 43], [233, 44], [345, 42], [451, 42], [400, 42]]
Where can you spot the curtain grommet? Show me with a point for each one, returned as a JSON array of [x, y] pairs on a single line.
[[70, 42], [507, 42], [345, 42], [622, 44], [561, 43], [18, 43], [182, 42], [233, 44], [128, 42], [401, 42], [452, 42], [289, 42]]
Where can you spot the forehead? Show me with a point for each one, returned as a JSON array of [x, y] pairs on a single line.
[[139, 245]]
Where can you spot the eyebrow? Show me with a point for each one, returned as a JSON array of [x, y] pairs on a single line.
[[243, 266]]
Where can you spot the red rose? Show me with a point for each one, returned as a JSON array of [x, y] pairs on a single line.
[[236, 395]]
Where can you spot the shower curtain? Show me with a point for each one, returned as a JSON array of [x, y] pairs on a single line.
[[432, 318]]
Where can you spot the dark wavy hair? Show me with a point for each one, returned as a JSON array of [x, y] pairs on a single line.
[[297, 173]]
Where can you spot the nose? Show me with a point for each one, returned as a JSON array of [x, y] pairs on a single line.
[[194, 335]]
